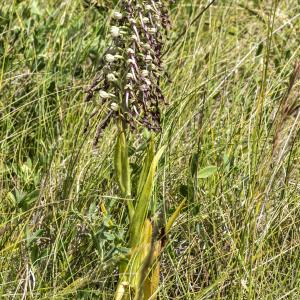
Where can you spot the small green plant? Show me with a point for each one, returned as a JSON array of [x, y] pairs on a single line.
[[128, 86]]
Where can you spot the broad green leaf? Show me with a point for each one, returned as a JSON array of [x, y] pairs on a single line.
[[26, 200], [122, 169], [207, 171], [141, 262], [122, 165], [146, 166], [104, 211], [139, 216]]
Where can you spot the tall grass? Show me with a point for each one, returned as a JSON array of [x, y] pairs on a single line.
[[63, 221]]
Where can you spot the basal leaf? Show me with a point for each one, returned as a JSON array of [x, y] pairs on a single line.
[[143, 202], [122, 169], [146, 165]]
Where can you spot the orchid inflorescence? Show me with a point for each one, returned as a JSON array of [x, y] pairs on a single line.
[[128, 82]]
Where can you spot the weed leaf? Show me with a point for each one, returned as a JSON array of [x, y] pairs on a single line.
[[207, 172]]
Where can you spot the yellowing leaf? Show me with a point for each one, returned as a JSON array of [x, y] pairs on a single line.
[[152, 282], [142, 261], [121, 289], [174, 216]]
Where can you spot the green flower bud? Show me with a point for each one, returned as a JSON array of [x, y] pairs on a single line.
[[132, 20], [148, 82], [111, 77], [145, 73], [148, 58], [152, 30], [134, 37], [114, 106], [109, 58], [117, 56], [144, 88], [146, 20], [130, 51], [130, 61], [129, 76], [117, 15], [146, 46], [128, 87], [105, 95], [115, 31]]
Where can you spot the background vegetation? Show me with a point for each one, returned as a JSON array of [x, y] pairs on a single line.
[[231, 129]]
